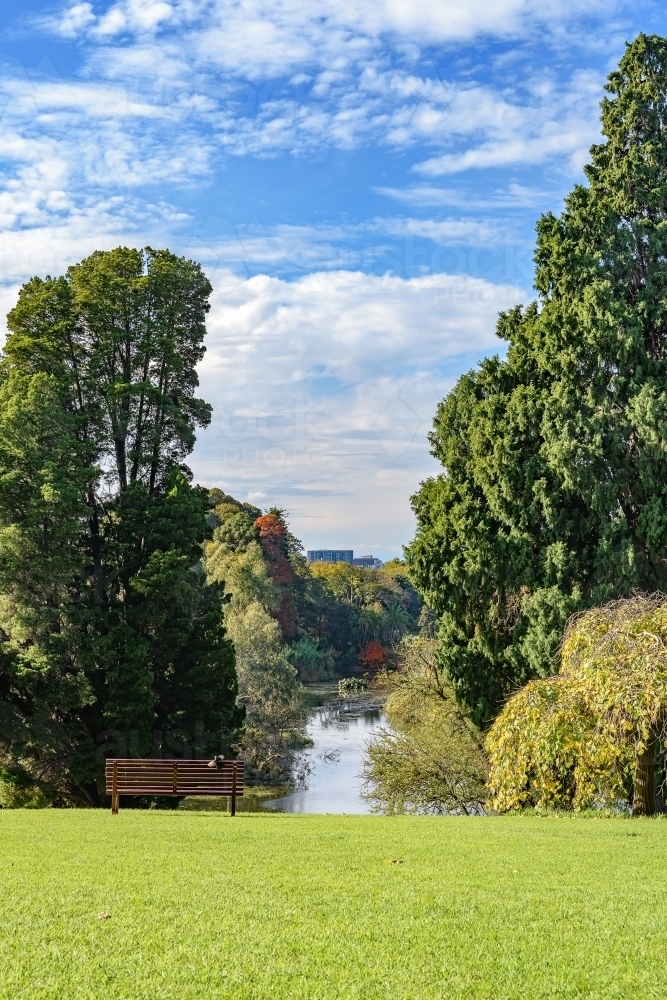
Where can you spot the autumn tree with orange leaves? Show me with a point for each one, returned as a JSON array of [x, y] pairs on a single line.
[[373, 656]]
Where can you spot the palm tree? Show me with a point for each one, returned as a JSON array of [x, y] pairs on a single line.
[[395, 622]]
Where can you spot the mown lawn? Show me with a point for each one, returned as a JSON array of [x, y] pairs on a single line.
[[203, 906]]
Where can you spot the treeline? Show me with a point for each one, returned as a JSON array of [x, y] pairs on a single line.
[[335, 619]]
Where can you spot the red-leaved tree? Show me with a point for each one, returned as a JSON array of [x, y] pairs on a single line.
[[373, 656], [273, 539]]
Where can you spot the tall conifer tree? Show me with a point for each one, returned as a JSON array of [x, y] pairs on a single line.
[[554, 491]]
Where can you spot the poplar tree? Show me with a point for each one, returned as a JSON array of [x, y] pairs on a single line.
[[553, 495]]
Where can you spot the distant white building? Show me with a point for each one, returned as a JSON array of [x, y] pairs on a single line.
[[343, 555]]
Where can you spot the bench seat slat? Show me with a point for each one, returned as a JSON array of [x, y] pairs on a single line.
[[179, 766], [161, 776], [210, 775], [188, 776], [181, 784], [206, 779], [163, 790], [160, 779], [170, 761], [139, 763], [181, 770]]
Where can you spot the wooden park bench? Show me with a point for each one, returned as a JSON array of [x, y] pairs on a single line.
[[142, 776]]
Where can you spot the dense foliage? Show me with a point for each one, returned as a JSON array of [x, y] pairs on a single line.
[[333, 617], [434, 761], [362, 613], [111, 637], [590, 735], [248, 556], [554, 494]]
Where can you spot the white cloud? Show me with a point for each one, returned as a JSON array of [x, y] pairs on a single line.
[[74, 20], [121, 133], [286, 33], [136, 16], [324, 389], [369, 322], [443, 231], [265, 76], [558, 124], [67, 147], [44, 230], [382, 244], [429, 196]]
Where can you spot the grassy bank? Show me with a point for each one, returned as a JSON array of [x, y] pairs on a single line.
[[308, 907]]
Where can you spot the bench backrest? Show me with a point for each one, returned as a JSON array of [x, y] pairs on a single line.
[[142, 776]]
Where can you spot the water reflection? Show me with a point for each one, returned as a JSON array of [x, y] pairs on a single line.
[[330, 770]]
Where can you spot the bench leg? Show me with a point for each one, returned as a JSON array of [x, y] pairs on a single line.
[[114, 790], [234, 790]]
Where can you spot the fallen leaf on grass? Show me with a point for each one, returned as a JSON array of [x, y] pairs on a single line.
[[104, 916], [395, 861]]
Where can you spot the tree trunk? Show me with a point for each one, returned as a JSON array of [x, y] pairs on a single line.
[[643, 799]]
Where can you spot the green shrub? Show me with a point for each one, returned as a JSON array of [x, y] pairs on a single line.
[[20, 795], [435, 761]]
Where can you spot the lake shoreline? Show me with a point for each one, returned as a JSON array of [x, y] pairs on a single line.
[[327, 774]]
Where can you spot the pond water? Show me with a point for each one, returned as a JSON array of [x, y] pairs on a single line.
[[330, 770]]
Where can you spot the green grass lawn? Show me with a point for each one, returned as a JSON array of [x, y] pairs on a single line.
[[203, 906]]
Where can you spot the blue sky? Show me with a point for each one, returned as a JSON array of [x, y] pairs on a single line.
[[360, 180]]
